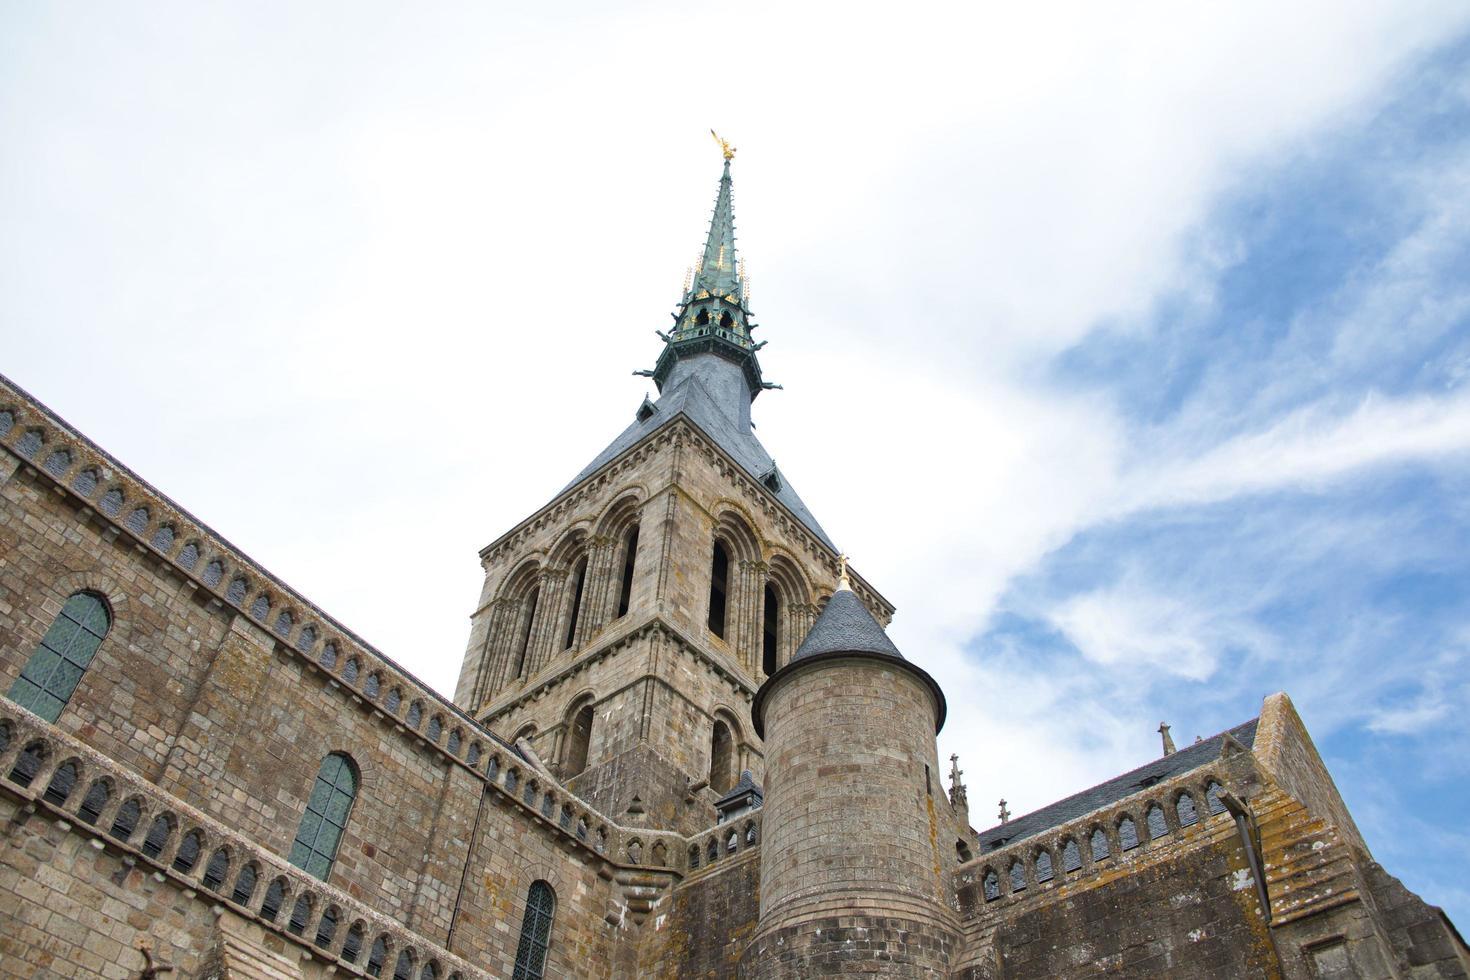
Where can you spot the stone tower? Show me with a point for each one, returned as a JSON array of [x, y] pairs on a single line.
[[624, 627], [854, 877]]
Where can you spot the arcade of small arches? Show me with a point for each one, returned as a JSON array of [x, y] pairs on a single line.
[[1102, 841]]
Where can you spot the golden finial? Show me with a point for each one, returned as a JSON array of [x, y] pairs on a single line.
[[842, 580], [725, 146]]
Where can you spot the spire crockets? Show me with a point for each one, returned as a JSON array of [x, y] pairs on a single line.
[[712, 317], [718, 273]]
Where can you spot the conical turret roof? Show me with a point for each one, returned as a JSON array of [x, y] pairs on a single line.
[[846, 626]]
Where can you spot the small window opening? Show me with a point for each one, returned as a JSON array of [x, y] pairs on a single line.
[[770, 630], [630, 554], [579, 579], [718, 586], [525, 643]]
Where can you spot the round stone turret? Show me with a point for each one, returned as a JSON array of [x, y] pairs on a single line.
[[852, 868]]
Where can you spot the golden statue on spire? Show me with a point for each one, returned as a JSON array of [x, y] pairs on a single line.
[[725, 146]]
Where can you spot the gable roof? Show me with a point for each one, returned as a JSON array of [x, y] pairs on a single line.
[[1113, 790]]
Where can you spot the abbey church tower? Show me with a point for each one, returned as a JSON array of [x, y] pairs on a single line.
[[624, 628]]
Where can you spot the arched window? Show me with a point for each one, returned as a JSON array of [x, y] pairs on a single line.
[[245, 885], [261, 607], [213, 572], [1127, 834], [325, 818], [328, 659], [235, 594], [57, 463], [52, 674], [85, 482], [350, 670], [300, 913], [1212, 798], [962, 851], [630, 555], [216, 870], [1157, 825], [275, 897], [535, 933], [94, 802], [712, 852], [63, 781], [283, 624], [415, 714], [395, 698], [1100, 848], [163, 538], [719, 582], [721, 758], [473, 756], [455, 740], [750, 834], [435, 729], [579, 581], [188, 556], [1018, 876], [306, 639], [372, 685], [188, 853], [1071, 856], [579, 737], [1043, 866], [693, 857], [327, 927], [28, 763], [403, 969], [126, 820], [111, 502], [1185, 810], [991, 885], [377, 956], [159, 832], [137, 520], [352, 945], [770, 630], [524, 646]]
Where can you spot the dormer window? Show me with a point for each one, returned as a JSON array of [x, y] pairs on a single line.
[[646, 410], [772, 480]]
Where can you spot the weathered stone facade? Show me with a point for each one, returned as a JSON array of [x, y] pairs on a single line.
[[625, 634]]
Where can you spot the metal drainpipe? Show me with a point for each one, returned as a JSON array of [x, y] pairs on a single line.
[[465, 874], [1242, 817]]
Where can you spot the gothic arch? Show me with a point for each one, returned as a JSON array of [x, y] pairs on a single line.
[[736, 530], [725, 744]]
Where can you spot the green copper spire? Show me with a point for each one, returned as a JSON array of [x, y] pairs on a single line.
[[718, 274], [712, 318]]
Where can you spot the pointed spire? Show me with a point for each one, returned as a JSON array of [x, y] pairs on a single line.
[[719, 269], [846, 626]]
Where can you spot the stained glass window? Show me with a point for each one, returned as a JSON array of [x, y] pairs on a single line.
[[535, 933], [51, 675], [325, 818]]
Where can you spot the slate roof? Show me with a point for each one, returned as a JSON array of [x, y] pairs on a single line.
[[845, 626], [1103, 794], [697, 393], [747, 785]]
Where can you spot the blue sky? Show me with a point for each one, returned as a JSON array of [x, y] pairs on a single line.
[[1125, 349]]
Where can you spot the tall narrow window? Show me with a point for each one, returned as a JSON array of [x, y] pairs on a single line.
[[721, 757], [719, 582], [579, 737], [326, 816], [535, 933], [525, 642], [51, 675], [630, 554], [770, 630], [579, 580]]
